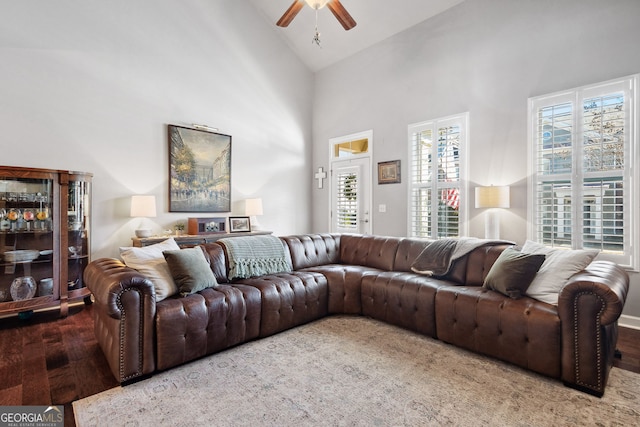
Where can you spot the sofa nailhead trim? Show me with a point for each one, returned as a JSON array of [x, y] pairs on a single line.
[[598, 339], [122, 332]]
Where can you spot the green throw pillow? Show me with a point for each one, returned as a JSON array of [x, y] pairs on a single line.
[[513, 272], [190, 270]]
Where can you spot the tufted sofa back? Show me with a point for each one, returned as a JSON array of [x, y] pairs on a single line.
[[312, 250], [369, 251], [214, 254], [384, 253], [408, 250], [473, 268]]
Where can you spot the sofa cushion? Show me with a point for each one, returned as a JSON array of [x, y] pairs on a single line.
[[559, 265], [513, 272], [402, 299], [289, 299], [525, 332], [150, 262], [344, 283], [205, 322], [190, 270]]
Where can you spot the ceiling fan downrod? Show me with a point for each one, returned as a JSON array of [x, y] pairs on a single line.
[[316, 37]]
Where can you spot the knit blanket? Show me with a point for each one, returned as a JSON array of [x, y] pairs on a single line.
[[251, 256], [437, 258]]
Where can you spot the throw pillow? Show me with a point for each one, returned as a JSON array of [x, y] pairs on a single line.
[[513, 272], [190, 270], [559, 265], [150, 262]]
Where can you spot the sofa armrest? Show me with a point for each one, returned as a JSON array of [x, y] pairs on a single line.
[[589, 306], [124, 313]]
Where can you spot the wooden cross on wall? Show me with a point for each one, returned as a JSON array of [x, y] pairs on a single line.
[[320, 176]]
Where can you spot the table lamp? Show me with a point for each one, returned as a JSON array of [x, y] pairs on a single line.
[[143, 206], [492, 198], [253, 208]]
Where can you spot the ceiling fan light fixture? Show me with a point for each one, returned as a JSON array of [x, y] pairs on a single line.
[[317, 4]]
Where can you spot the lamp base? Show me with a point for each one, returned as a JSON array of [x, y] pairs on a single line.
[[492, 225], [143, 232], [255, 225]]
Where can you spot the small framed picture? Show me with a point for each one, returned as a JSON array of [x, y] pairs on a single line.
[[239, 224], [389, 172]]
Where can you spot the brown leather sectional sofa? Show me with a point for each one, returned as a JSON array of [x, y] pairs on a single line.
[[369, 276]]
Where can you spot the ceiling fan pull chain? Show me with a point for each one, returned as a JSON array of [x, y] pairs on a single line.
[[316, 37]]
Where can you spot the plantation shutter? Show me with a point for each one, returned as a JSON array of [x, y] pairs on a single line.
[[448, 184], [435, 185], [347, 201], [604, 188], [553, 190], [420, 198], [582, 150]]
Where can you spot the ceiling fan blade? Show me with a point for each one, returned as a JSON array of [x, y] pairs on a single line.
[[291, 13], [341, 14]]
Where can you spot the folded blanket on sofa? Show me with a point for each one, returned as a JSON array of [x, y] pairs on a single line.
[[438, 256], [251, 256]]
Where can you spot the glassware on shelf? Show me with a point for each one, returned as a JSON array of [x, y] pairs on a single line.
[[45, 287], [29, 216], [23, 288], [14, 216], [43, 216], [4, 222]]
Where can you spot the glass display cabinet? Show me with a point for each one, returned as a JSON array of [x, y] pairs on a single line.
[[44, 239]]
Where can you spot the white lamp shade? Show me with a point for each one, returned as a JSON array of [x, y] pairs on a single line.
[[253, 207], [493, 197], [143, 206]]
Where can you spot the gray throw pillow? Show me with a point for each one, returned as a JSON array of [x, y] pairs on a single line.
[[190, 270], [513, 272]]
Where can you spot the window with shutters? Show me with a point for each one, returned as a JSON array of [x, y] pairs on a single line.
[[437, 177], [583, 149], [347, 201]]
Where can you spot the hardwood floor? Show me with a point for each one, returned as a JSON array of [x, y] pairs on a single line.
[[51, 361], [47, 360]]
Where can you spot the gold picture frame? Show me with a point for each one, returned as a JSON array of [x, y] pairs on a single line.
[[199, 170], [389, 172]]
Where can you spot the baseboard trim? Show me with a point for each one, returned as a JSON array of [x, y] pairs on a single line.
[[632, 322]]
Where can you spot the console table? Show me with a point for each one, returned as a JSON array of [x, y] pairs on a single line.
[[189, 240]]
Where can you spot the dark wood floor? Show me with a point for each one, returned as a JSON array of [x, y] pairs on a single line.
[[46, 360], [50, 361]]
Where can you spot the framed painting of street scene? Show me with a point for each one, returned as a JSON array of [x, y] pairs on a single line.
[[199, 170]]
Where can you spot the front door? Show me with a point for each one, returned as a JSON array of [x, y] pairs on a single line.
[[350, 198]]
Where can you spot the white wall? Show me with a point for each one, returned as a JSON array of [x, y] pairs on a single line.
[[91, 85], [486, 57]]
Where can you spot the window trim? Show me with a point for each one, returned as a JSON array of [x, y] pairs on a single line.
[[576, 96], [461, 119]]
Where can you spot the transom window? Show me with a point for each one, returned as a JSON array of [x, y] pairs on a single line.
[[582, 155]]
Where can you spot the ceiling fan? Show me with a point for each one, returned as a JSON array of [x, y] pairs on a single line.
[[334, 6]]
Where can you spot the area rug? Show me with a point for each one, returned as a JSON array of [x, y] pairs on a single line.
[[354, 371]]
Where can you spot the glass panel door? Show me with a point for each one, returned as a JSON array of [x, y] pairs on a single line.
[[78, 217], [26, 239]]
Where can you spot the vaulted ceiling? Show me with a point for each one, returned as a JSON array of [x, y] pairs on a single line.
[[376, 21]]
